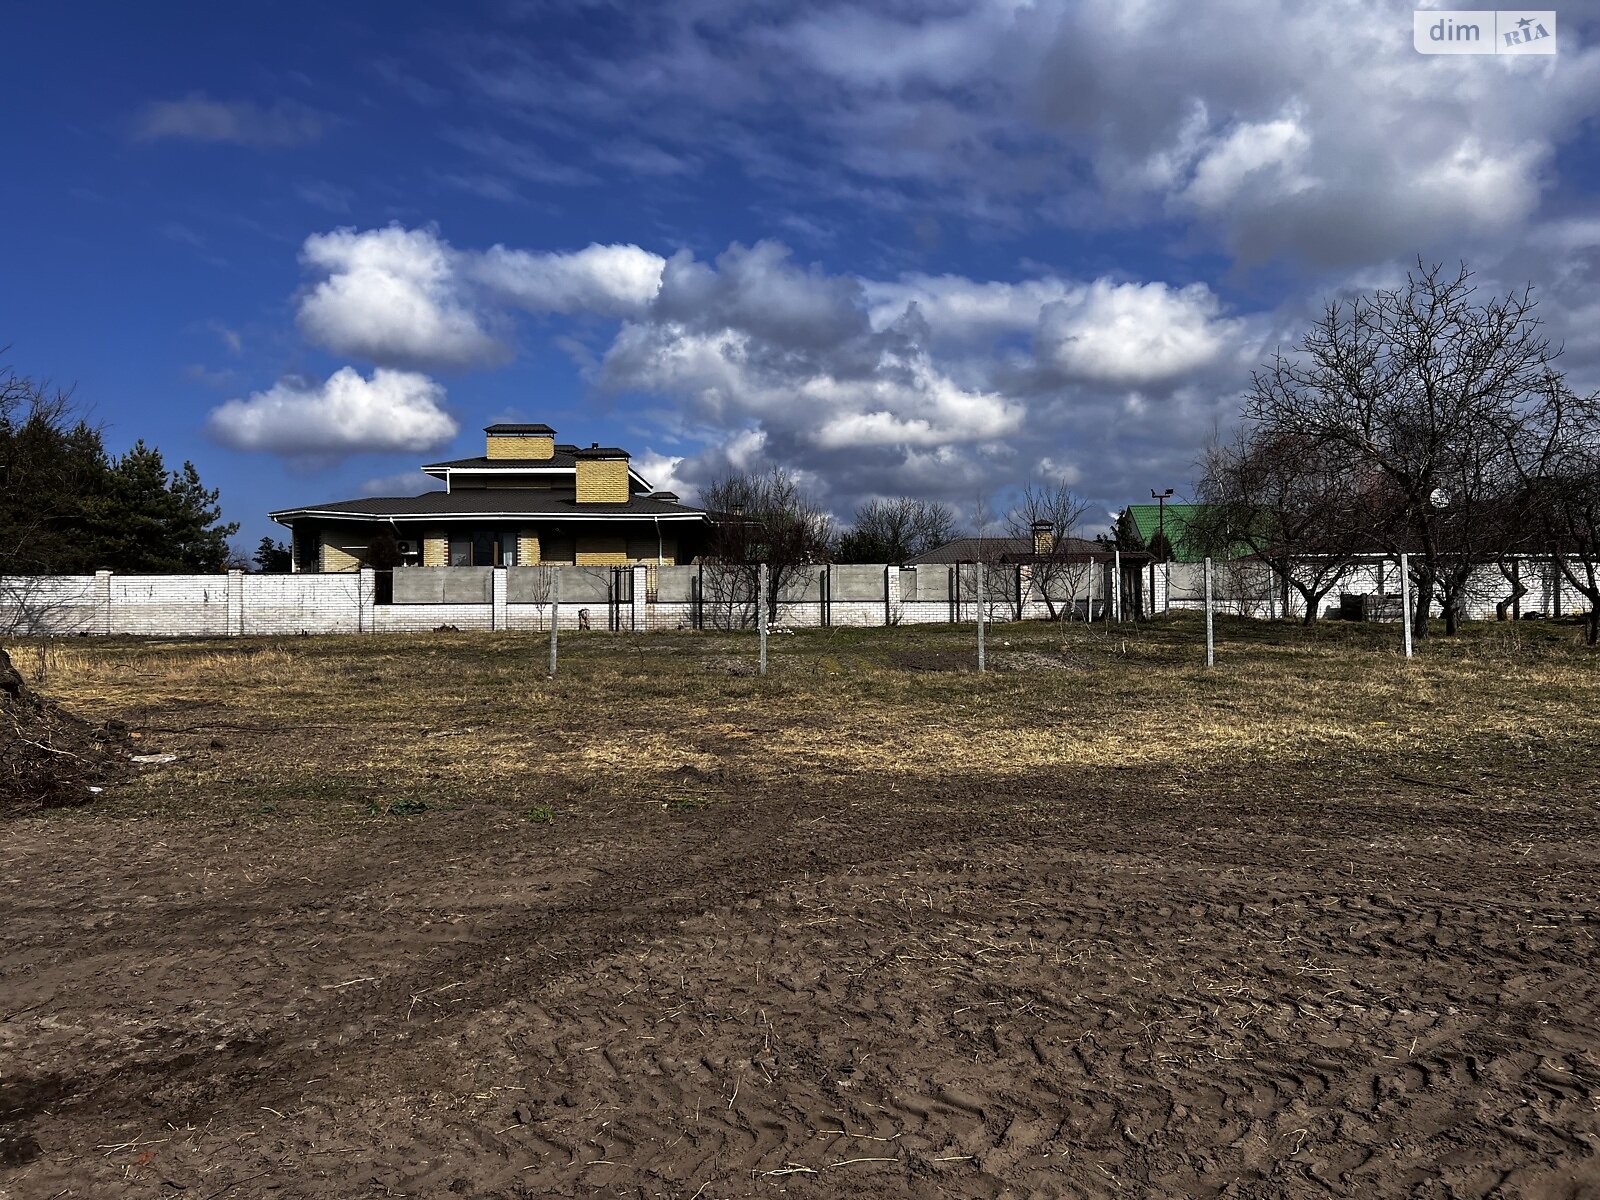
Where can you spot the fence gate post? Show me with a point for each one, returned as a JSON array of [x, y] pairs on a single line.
[[979, 569], [1405, 601], [1116, 590], [761, 613], [1211, 649], [102, 602], [639, 592], [235, 603], [499, 598]]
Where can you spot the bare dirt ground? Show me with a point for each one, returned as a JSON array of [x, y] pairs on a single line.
[[853, 930]]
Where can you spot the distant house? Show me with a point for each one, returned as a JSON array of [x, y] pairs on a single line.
[[527, 500], [1175, 520], [1003, 550]]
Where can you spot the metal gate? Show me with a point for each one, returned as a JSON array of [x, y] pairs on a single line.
[[619, 597]]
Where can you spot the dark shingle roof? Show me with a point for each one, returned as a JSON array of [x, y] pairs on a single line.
[[994, 549], [503, 427], [563, 458], [488, 501], [602, 452]]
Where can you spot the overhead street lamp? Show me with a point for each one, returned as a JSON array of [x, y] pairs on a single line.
[[1161, 531]]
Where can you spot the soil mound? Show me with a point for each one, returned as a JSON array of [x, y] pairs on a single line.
[[49, 757]]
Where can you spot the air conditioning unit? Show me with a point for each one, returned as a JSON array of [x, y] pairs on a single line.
[[409, 548]]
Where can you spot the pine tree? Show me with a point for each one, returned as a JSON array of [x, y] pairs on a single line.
[[273, 558], [1125, 533]]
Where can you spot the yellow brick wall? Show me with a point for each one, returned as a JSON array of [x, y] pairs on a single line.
[[503, 446], [339, 553], [435, 552], [602, 550], [527, 549], [602, 481]]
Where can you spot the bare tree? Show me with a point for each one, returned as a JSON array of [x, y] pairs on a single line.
[[1558, 454], [1423, 385], [896, 529], [1046, 519], [764, 518], [1291, 501]]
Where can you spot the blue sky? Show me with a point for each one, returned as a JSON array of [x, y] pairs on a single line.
[[938, 250]]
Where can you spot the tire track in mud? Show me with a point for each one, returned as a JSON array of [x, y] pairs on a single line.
[[646, 894], [846, 997]]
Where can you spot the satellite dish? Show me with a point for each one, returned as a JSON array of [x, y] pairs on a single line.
[[1439, 498]]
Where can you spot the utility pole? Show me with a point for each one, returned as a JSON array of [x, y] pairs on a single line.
[[1161, 499]]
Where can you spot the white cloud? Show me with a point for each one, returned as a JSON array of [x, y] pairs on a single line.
[[348, 414], [962, 310], [1313, 133], [242, 122], [393, 296], [1133, 334], [1270, 155], [615, 281], [661, 470]]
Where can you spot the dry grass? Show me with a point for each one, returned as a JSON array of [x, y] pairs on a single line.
[[339, 725]]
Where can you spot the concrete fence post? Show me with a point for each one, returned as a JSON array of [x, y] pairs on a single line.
[[978, 570], [1405, 602], [235, 603], [102, 602], [1211, 645], [1116, 587], [761, 614], [555, 615]]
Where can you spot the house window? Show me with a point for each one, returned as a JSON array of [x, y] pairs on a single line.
[[308, 550], [484, 548]]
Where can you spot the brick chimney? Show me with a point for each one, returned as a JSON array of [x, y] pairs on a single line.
[[520, 441], [1044, 538], [602, 475]]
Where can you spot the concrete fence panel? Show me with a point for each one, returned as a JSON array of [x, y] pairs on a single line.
[[858, 582], [675, 585]]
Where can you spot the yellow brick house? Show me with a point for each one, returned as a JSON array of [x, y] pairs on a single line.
[[527, 500]]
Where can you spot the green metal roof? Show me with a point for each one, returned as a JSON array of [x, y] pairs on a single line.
[[1148, 519]]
